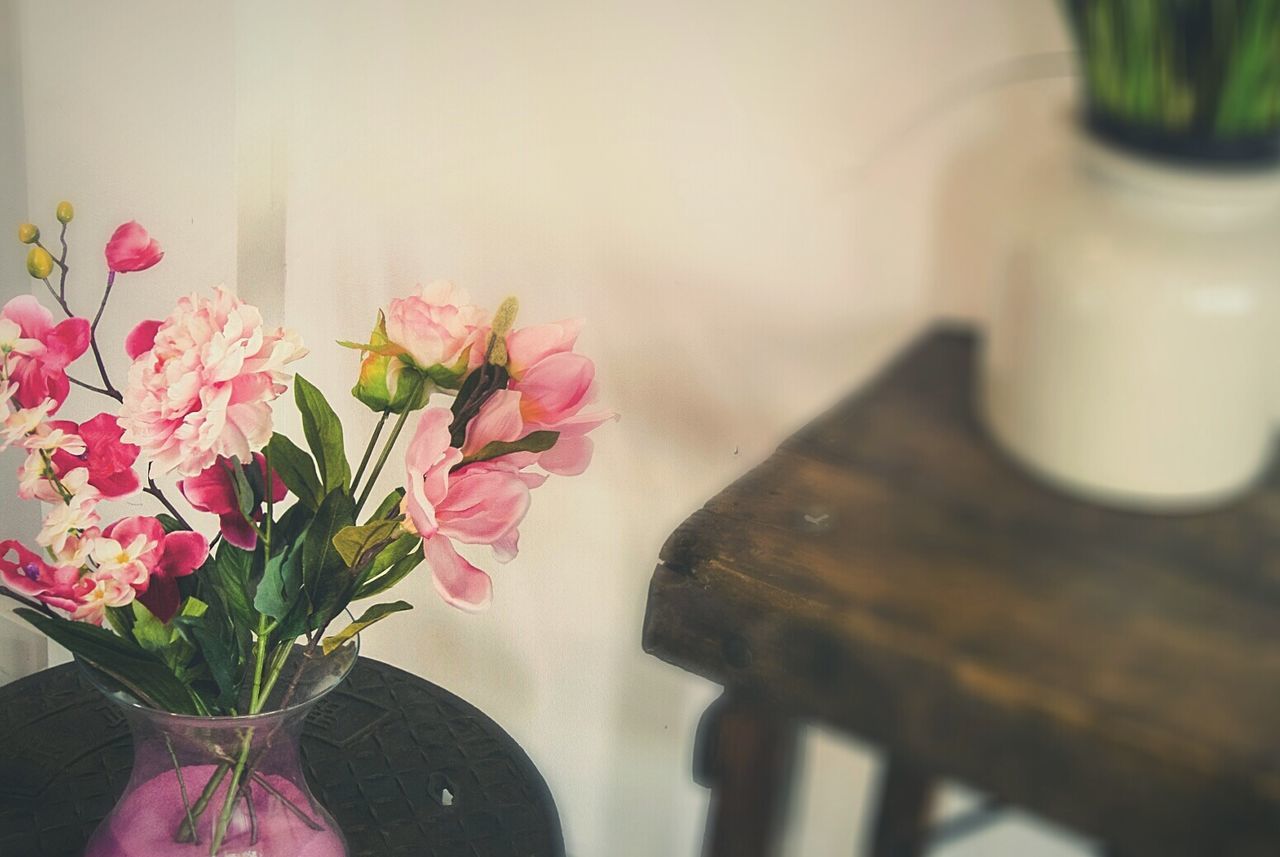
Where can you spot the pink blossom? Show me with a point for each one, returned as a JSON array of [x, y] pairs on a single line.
[[43, 352], [108, 459], [428, 460], [556, 386], [137, 551], [141, 338], [57, 585], [204, 387], [214, 491], [437, 327], [131, 249], [479, 503]]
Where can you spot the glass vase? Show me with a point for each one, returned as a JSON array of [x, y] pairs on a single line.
[[225, 786]]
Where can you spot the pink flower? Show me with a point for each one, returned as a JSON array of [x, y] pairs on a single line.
[[204, 387], [108, 459], [479, 503], [138, 552], [56, 585], [555, 385], [437, 327], [43, 352], [132, 249], [427, 462], [214, 491]]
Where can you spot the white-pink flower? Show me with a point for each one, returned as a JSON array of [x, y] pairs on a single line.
[[204, 383], [437, 326]]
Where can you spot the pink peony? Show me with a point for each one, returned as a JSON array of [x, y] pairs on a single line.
[[131, 249], [138, 552], [556, 385], [42, 351], [204, 386], [214, 491], [437, 327], [107, 458], [479, 503]]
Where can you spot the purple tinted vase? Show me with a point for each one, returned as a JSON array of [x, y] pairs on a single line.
[[185, 769]]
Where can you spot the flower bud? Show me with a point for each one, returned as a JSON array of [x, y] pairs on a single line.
[[65, 212], [39, 263], [387, 382], [28, 233]]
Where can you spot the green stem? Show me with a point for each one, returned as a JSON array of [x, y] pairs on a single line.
[[368, 449], [177, 769], [386, 450], [187, 832], [233, 794]]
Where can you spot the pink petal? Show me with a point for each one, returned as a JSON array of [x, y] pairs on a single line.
[[33, 318], [528, 345], [237, 531], [66, 342], [569, 457], [161, 598], [183, 552], [457, 581], [556, 388], [141, 338], [498, 420], [211, 490], [126, 529], [483, 504]]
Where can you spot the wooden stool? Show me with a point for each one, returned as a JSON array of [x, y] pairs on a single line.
[[890, 573]]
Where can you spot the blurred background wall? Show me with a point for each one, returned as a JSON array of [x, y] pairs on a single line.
[[752, 203]]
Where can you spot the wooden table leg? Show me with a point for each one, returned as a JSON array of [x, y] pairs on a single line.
[[905, 803], [744, 754]]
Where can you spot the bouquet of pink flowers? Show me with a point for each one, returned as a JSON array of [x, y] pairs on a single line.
[[202, 625]]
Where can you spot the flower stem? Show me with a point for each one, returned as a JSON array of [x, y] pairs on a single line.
[[62, 263], [154, 490], [177, 769], [368, 449], [386, 450]]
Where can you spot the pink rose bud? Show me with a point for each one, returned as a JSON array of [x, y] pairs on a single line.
[[132, 249]]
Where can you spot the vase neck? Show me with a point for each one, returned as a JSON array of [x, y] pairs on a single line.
[[1187, 190]]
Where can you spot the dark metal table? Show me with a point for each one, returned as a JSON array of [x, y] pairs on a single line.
[[380, 753]]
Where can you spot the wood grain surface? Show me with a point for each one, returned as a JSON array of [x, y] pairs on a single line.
[[890, 572]]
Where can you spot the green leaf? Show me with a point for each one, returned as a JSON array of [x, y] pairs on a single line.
[[389, 505], [397, 571], [324, 435], [373, 614], [217, 644], [319, 553], [169, 522], [225, 581], [538, 441], [138, 671], [281, 584], [327, 580], [296, 469], [243, 490], [150, 632], [353, 543]]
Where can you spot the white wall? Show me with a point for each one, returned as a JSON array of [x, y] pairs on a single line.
[[740, 197]]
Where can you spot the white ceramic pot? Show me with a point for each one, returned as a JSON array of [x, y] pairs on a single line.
[[1131, 353]]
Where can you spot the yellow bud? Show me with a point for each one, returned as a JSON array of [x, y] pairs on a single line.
[[39, 263], [28, 233], [65, 212]]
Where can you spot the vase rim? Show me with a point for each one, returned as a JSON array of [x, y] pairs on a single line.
[[229, 720]]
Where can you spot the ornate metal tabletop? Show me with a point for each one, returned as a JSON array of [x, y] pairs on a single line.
[[407, 769]]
